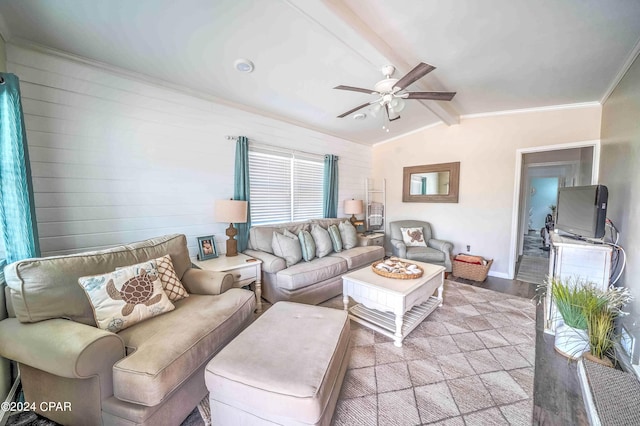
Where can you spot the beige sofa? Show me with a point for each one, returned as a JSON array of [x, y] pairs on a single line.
[[149, 373], [309, 282]]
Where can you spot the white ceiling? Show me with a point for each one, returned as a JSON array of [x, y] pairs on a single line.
[[496, 54]]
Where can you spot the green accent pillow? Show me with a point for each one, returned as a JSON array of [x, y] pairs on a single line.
[[334, 233], [324, 246], [307, 245], [348, 234]]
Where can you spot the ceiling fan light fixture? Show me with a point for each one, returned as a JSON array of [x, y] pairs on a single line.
[[243, 65], [360, 116], [397, 104]]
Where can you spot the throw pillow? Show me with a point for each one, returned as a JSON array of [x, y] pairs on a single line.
[[125, 297], [170, 282], [287, 248], [307, 245], [334, 233], [324, 246], [348, 234], [289, 234], [413, 237]]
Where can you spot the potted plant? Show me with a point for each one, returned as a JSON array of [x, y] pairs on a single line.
[[570, 297], [588, 315], [601, 324]]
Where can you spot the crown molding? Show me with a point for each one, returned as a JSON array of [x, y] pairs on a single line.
[[535, 109], [621, 73], [154, 81]]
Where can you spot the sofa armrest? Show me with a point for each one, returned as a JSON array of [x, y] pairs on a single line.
[[62, 347], [270, 263], [399, 248], [200, 281], [444, 246]]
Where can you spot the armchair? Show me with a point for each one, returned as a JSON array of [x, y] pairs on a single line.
[[437, 252]]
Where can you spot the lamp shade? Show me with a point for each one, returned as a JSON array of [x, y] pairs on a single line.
[[353, 207], [231, 211]]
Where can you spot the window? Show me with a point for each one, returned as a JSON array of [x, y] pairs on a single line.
[[285, 187]]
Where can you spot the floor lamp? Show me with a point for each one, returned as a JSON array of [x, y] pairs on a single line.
[[231, 211]]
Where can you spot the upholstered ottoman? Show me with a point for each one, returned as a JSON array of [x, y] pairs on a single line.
[[286, 368]]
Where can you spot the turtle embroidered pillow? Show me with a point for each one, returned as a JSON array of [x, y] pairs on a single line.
[[413, 237], [125, 297], [170, 282]]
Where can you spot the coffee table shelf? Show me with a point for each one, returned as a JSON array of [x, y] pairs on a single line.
[[385, 322]]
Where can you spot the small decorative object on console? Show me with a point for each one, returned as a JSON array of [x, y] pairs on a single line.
[[207, 248], [397, 268]]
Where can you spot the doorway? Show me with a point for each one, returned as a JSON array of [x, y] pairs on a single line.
[[540, 172]]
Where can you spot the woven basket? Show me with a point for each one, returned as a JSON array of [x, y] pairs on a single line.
[[397, 276], [471, 271]]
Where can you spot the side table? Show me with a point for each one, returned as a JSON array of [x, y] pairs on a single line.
[[375, 239], [245, 270]]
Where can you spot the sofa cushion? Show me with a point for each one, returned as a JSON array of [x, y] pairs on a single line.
[[348, 235], [425, 254], [126, 297], [163, 352], [336, 240], [287, 248], [324, 246], [358, 257], [307, 273], [47, 287], [307, 245]]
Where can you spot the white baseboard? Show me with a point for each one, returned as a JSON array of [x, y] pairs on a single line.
[[499, 275]]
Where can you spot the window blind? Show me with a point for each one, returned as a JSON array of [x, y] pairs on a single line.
[[285, 187]]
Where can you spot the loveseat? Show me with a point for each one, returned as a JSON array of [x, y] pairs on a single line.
[[149, 373], [312, 281]]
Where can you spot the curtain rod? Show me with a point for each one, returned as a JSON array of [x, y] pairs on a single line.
[[278, 147]]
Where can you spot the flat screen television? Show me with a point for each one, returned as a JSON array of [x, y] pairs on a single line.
[[582, 210]]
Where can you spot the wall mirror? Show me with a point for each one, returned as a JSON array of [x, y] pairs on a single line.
[[431, 183]]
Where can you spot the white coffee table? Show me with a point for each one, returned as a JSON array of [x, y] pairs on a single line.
[[391, 306]]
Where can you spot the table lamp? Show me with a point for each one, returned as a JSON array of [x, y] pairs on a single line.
[[231, 211], [353, 207]]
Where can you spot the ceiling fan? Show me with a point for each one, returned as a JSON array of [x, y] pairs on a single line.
[[392, 91]]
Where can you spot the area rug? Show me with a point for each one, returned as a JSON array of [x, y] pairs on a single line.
[[470, 362], [533, 269]]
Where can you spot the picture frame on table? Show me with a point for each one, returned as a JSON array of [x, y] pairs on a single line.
[[207, 247]]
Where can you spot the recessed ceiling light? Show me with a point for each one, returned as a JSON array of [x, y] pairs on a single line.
[[359, 116], [243, 65]]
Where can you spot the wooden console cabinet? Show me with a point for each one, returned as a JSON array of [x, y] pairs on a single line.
[[577, 259]]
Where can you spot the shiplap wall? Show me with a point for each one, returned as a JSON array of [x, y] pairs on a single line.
[[117, 159]]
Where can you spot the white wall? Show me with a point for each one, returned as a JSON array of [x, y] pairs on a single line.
[[486, 148], [619, 171], [117, 159]]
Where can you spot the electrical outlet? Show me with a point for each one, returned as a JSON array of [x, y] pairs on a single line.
[[468, 248]]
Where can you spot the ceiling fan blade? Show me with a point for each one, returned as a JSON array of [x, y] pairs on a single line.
[[416, 73], [386, 107], [353, 110], [355, 89], [436, 96]]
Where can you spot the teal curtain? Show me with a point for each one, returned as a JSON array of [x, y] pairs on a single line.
[[17, 209], [241, 189], [330, 186]]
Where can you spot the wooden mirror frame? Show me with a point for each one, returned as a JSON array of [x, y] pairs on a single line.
[[454, 180]]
